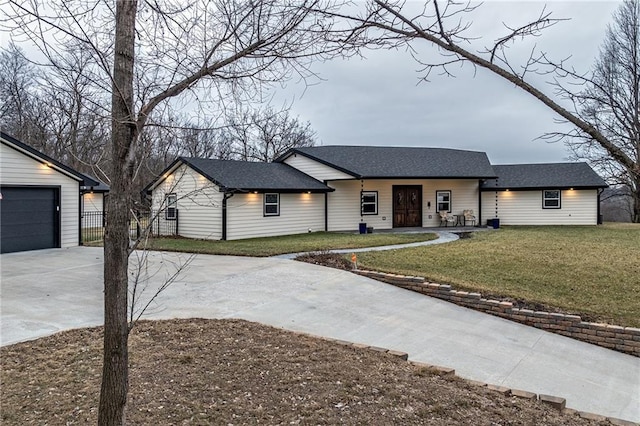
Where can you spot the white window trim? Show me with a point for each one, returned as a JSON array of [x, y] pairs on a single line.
[[171, 212], [362, 202], [277, 204], [545, 199], [448, 202]]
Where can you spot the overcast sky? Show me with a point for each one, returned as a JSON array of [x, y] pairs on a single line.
[[378, 101]]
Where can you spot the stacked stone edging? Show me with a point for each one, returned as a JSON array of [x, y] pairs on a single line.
[[556, 402], [621, 339]]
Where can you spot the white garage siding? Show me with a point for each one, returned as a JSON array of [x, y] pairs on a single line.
[[298, 214], [315, 169], [92, 209], [93, 202], [344, 203], [578, 207], [199, 204], [18, 169]]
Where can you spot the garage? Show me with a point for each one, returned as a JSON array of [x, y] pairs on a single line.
[[29, 218], [40, 199]]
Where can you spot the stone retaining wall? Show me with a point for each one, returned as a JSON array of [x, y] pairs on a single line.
[[622, 339], [556, 402]]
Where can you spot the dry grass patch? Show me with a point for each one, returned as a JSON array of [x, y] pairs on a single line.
[[235, 372]]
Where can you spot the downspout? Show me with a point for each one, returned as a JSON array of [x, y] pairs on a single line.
[[225, 197], [326, 210], [480, 182], [598, 222], [80, 212]]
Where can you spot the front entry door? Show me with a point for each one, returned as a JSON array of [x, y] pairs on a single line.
[[407, 206]]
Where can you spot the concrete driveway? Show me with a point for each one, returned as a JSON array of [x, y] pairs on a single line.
[[50, 290]]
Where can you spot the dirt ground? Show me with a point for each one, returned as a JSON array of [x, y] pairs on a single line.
[[233, 372]]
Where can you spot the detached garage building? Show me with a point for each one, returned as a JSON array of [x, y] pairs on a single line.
[[39, 201]]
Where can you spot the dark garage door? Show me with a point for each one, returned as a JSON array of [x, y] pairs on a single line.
[[29, 218]]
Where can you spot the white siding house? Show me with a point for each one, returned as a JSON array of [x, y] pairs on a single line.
[[381, 176], [543, 194], [93, 204], [347, 188], [299, 213], [198, 203], [315, 169], [229, 200], [577, 207], [345, 211], [40, 202]]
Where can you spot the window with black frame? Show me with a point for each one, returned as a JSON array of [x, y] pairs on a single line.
[[443, 201], [171, 212], [551, 199], [272, 204], [369, 202]]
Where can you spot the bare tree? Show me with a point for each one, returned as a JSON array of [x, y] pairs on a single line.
[[149, 54], [264, 135], [592, 111], [20, 110], [611, 103], [53, 109], [78, 122]]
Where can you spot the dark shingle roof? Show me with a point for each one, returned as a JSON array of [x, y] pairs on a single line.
[[400, 162], [93, 184], [254, 176], [551, 175]]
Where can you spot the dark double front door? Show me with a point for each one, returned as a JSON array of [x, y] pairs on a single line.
[[407, 206]]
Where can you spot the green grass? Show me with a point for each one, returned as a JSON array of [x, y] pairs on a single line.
[[90, 235], [272, 246], [592, 270]]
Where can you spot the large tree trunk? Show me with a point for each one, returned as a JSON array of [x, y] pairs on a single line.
[[115, 370]]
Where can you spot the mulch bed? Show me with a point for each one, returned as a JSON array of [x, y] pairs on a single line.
[[233, 372]]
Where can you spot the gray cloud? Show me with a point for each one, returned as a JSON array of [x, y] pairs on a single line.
[[377, 101]]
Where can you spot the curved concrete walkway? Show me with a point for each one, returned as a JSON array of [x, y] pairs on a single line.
[[50, 290], [443, 237]]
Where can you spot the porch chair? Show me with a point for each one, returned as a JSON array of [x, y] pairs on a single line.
[[446, 219], [469, 217]]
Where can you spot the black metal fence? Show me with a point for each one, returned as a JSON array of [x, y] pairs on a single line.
[[155, 224], [92, 226], [159, 223]]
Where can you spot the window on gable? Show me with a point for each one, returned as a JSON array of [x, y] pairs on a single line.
[[272, 204], [443, 201], [369, 202], [171, 212], [551, 199]]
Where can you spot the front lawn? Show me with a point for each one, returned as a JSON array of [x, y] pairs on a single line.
[[590, 270], [272, 246]]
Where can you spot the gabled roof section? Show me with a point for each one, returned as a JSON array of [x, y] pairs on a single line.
[[544, 175], [364, 162], [22, 147], [89, 182], [232, 175]]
